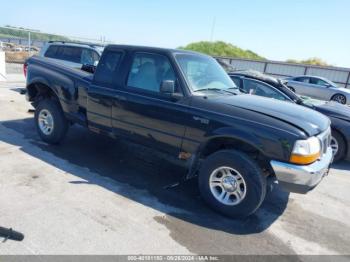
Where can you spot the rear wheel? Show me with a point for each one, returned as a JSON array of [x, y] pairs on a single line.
[[50, 121], [232, 183], [338, 146], [339, 98]]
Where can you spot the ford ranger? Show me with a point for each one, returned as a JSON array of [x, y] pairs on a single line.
[[184, 104]]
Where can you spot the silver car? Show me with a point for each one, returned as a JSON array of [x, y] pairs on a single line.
[[319, 88]]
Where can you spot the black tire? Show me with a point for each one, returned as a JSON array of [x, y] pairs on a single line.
[[60, 123], [341, 146], [253, 177], [339, 98]]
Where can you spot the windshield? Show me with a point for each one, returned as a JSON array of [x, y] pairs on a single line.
[[288, 92], [204, 73], [331, 83]]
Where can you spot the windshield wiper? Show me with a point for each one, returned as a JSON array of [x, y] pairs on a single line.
[[215, 89], [238, 89]]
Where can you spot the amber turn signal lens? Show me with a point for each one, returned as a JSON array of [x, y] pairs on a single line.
[[304, 160]]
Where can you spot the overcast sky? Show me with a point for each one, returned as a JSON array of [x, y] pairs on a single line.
[[275, 29]]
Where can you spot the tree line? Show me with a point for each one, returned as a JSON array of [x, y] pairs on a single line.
[[220, 48]]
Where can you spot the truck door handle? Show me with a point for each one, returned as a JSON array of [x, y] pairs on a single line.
[[119, 97]]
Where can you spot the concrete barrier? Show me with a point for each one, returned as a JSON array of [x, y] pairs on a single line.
[[2, 66]]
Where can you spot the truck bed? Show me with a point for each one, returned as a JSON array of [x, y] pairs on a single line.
[[69, 84], [53, 64]]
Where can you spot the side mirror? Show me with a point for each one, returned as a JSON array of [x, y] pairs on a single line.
[[167, 87], [89, 68]]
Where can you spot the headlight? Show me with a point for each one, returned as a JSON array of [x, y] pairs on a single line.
[[306, 151]]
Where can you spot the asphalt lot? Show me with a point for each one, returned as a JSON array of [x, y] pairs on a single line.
[[94, 195]]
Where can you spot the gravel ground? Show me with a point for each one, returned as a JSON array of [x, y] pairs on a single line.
[[94, 195]]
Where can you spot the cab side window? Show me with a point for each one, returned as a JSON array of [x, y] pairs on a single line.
[[261, 89], [302, 79], [148, 71], [317, 81]]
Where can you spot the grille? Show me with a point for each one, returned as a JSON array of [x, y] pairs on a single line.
[[325, 139]]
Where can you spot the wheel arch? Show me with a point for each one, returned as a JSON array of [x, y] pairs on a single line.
[[37, 90], [218, 142], [222, 142], [340, 94]]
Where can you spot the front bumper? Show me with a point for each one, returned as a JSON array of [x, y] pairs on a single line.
[[301, 179]]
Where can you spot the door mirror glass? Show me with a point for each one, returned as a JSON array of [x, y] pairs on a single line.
[[167, 87]]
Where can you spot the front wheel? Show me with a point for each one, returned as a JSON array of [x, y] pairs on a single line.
[[338, 146], [232, 183], [50, 121]]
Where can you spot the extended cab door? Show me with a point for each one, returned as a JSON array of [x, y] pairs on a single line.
[[101, 93], [146, 115]]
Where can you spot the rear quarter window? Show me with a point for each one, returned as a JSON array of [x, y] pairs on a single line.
[[107, 68]]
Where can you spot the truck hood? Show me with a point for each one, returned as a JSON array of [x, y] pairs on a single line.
[[308, 120]]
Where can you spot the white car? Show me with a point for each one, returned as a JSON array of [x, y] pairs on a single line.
[[319, 88]]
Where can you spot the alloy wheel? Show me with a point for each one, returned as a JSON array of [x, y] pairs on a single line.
[[340, 99], [227, 186], [45, 121], [334, 145]]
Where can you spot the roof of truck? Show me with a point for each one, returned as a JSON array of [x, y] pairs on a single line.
[[93, 45], [154, 49]]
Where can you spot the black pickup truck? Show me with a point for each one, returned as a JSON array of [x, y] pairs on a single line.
[[184, 104]]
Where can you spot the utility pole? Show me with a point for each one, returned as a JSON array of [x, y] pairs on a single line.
[[213, 30], [29, 44]]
